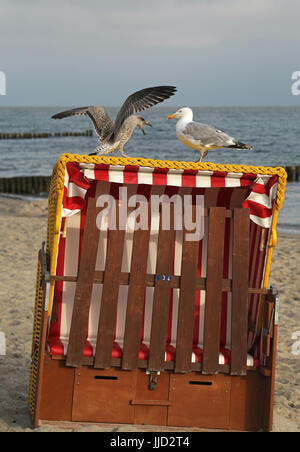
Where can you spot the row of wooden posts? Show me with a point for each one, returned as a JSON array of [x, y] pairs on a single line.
[[30, 185], [37, 185], [293, 173], [26, 136]]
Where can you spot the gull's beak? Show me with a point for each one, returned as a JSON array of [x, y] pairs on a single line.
[[142, 128], [172, 116]]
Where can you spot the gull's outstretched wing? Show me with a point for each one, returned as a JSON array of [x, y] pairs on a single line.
[[141, 100], [102, 122]]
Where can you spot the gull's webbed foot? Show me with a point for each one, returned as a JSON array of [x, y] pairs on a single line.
[[123, 154]]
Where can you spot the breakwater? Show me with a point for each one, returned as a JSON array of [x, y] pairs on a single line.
[[293, 173], [25, 185], [30, 136], [36, 185]]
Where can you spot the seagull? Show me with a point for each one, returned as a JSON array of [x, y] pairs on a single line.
[[202, 137], [114, 135]]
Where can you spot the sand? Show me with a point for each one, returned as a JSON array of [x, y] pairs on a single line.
[[22, 230]]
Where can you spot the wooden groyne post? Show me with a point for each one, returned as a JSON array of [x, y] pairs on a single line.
[[25, 185], [29, 135], [293, 173]]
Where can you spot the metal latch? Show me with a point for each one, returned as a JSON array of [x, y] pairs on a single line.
[[152, 379]]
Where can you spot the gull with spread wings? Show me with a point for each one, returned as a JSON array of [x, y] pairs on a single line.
[[114, 135]]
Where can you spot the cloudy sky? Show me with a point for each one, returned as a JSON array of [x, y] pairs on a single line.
[[217, 52]]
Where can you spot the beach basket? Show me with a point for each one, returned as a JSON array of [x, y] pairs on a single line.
[[164, 324]]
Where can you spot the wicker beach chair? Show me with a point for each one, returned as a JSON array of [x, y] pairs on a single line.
[[146, 325]]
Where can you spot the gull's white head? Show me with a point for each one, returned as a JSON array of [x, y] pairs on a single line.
[[185, 112]]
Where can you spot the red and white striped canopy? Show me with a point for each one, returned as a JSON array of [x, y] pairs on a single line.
[[260, 190]]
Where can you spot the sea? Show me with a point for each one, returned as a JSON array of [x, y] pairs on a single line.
[[274, 133]]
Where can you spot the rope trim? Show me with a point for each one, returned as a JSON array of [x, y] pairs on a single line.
[[279, 171]]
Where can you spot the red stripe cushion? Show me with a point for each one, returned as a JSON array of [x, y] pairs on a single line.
[[56, 347]]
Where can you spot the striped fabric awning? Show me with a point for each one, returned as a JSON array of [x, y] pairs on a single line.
[[260, 189]]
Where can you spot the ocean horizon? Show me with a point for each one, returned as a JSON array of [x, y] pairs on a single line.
[[273, 132]]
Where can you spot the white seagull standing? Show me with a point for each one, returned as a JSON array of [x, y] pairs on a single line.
[[202, 137]]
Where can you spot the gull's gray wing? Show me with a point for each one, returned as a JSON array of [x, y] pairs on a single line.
[[141, 100], [102, 123], [207, 136]]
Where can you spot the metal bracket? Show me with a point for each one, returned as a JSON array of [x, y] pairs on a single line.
[[267, 331], [46, 273], [152, 379], [274, 292], [45, 276], [276, 316]]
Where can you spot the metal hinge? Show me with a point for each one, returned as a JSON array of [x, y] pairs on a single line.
[[152, 379]]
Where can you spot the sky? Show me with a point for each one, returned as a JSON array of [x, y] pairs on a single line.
[[94, 52]]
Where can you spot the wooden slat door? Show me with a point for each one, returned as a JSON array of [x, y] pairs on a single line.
[[163, 282]]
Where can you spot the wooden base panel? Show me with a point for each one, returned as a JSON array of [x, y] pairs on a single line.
[[187, 400]]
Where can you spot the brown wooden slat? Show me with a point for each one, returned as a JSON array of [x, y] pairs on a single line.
[[136, 292], [110, 292], [151, 280], [213, 299], [143, 364], [162, 292], [240, 274], [135, 302], [186, 311], [84, 285]]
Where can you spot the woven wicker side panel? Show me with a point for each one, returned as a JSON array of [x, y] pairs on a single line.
[[36, 340], [52, 211]]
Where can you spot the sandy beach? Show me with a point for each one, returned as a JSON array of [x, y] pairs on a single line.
[[23, 228]]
